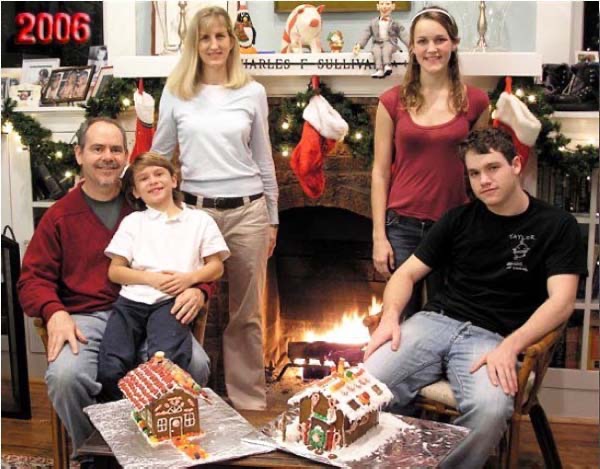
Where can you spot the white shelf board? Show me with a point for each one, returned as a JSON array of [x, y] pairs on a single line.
[[43, 203], [576, 115], [342, 64]]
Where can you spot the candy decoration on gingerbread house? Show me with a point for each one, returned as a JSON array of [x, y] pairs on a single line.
[[339, 409], [164, 399]]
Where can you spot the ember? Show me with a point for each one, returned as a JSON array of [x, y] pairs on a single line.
[[318, 354]]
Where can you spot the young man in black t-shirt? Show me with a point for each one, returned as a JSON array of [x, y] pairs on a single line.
[[513, 266]]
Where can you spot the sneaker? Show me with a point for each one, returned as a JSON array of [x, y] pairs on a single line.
[[387, 70], [378, 74]]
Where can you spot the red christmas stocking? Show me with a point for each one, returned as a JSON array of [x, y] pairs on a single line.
[[144, 125], [307, 161]]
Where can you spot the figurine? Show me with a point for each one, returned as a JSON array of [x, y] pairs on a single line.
[[336, 41], [303, 28], [244, 30], [387, 34]]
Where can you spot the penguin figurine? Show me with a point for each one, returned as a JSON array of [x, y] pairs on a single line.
[[244, 30]]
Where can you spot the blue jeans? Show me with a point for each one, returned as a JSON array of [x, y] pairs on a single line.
[[129, 325], [434, 346], [405, 234], [72, 379]]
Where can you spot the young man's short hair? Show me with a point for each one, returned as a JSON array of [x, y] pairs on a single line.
[[487, 140]]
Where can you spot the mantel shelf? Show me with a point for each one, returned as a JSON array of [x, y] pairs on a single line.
[[341, 64]]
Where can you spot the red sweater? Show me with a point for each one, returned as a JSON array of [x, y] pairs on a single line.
[[64, 267], [427, 176]]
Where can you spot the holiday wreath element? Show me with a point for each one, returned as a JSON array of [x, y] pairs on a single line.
[[285, 122]]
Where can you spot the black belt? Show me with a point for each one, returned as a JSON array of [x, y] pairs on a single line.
[[221, 203], [393, 217]]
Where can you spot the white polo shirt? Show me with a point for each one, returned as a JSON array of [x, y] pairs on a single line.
[[151, 241]]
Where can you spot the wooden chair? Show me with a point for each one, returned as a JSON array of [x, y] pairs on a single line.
[[438, 398], [60, 447]]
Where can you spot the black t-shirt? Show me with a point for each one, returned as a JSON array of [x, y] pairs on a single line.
[[498, 265]]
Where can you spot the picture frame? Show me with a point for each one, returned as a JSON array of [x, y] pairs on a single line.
[[25, 94], [104, 78], [68, 84], [38, 71], [340, 7], [587, 56]]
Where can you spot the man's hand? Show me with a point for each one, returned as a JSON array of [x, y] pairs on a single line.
[[187, 305], [272, 238], [61, 328], [383, 257], [501, 367], [386, 331], [175, 282]]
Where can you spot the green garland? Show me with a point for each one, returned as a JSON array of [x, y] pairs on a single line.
[[285, 122], [59, 157], [551, 145], [286, 126]]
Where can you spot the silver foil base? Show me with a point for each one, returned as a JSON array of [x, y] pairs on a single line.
[[222, 425], [398, 442]]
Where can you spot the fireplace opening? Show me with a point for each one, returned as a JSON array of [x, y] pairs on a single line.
[[323, 277]]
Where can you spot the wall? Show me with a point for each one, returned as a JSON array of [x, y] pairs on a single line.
[[511, 25]]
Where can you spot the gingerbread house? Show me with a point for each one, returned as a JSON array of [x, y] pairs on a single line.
[[339, 409], [164, 399]]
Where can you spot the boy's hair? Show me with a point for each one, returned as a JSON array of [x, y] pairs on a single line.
[[487, 140], [143, 161]]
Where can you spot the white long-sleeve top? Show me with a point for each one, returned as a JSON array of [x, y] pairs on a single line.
[[224, 145]]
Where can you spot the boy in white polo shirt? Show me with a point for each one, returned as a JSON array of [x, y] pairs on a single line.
[[156, 254]]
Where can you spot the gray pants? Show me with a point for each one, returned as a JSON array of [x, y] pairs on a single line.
[[72, 379], [382, 54]]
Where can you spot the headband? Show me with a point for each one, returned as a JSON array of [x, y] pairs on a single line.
[[431, 10]]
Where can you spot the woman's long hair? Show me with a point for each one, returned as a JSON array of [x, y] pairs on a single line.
[[184, 82], [410, 95]]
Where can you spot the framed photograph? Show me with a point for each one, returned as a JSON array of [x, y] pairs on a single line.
[[38, 71], [68, 85], [169, 19], [336, 7], [587, 56], [104, 78], [26, 94], [98, 57]]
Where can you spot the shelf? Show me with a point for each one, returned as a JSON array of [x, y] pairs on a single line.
[[43, 203], [342, 64], [576, 115]]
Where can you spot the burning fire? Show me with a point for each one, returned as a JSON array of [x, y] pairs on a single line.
[[350, 330]]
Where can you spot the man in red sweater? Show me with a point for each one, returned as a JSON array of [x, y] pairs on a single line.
[[64, 276]]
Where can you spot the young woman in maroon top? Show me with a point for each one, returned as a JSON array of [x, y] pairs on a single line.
[[417, 174]]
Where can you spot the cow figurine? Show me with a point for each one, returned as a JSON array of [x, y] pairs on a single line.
[[303, 28]]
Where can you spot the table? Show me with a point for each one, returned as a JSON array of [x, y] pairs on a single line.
[[104, 459], [437, 438]]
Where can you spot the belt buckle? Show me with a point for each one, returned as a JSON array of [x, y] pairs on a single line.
[[218, 201]]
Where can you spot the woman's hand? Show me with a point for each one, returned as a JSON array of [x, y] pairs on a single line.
[[272, 238], [383, 257]]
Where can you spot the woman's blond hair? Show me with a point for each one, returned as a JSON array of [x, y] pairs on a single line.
[[145, 160], [184, 82], [410, 94]]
